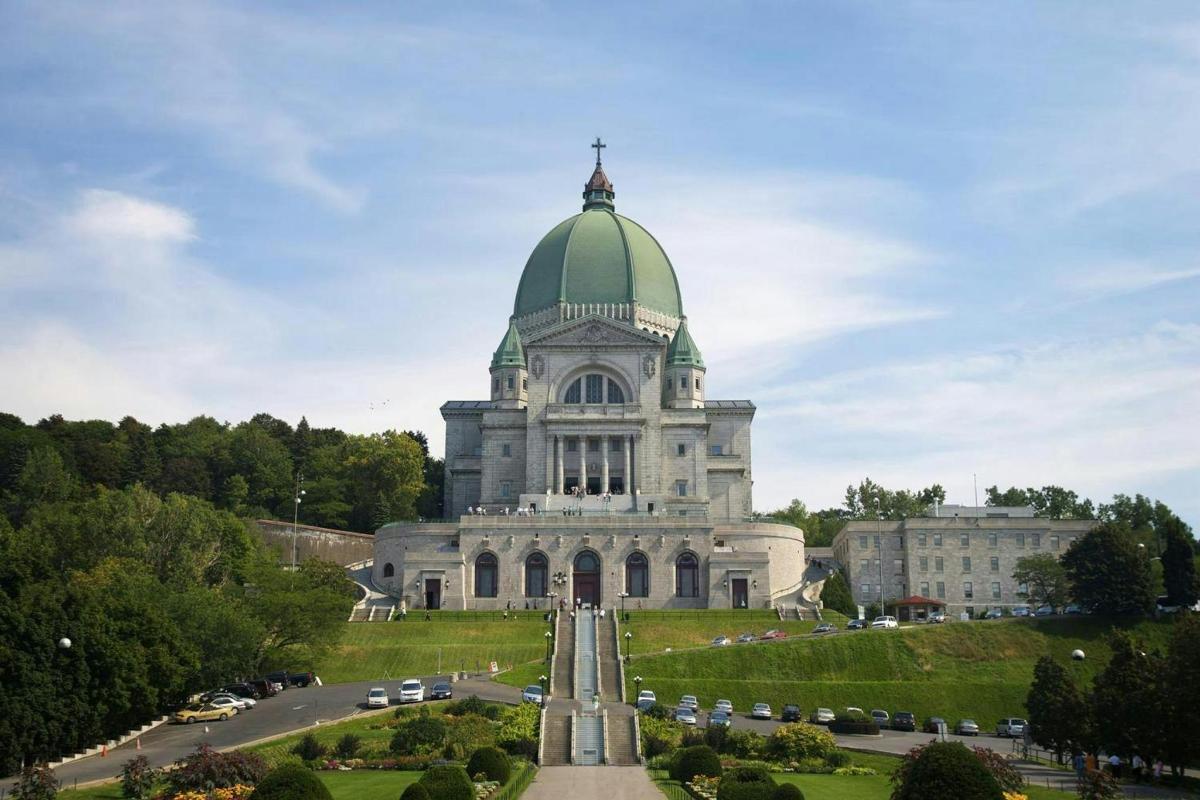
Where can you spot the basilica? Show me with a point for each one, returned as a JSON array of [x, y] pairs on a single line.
[[598, 471]]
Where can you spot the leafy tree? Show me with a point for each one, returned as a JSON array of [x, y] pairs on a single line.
[[1045, 580], [36, 782], [1179, 564], [1127, 705], [265, 463], [1108, 573], [291, 782], [1058, 713], [835, 594], [943, 769], [1181, 686], [385, 473], [419, 735], [1052, 502], [899, 504]]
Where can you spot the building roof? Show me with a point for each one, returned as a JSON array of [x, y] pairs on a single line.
[[510, 353], [917, 600], [598, 256], [683, 351], [728, 404]]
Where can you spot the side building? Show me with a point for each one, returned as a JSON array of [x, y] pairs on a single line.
[[963, 556]]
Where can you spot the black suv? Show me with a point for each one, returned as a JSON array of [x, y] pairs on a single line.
[[301, 678], [242, 690], [904, 721], [280, 677], [264, 686], [791, 713]]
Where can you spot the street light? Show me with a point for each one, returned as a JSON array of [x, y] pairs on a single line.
[[628, 638], [879, 542], [296, 514], [549, 637], [622, 595], [637, 681], [64, 643], [542, 682]]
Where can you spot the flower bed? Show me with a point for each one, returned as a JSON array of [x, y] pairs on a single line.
[[239, 792]]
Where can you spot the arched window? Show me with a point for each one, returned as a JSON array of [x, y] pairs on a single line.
[[615, 395], [587, 562], [572, 395], [687, 575], [637, 575], [594, 388], [486, 577], [536, 568], [388, 570]]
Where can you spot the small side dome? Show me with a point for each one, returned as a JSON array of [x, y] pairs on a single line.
[[682, 352], [510, 353]]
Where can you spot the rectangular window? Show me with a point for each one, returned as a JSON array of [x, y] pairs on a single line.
[[992, 540], [1023, 588], [524, 384], [864, 590], [964, 540], [496, 385], [681, 488], [1020, 537], [864, 565], [697, 384], [683, 383], [968, 591], [924, 588], [900, 542], [876, 542], [941, 590], [939, 564], [1053, 542], [593, 445], [971, 611], [594, 388], [512, 383], [1037, 540], [898, 566], [681, 449], [506, 450], [994, 564], [715, 450], [614, 445], [937, 540], [862, 543], [924, 563], [966, 563], [572, 445], [995, 591], [920, 540], [505, 488]]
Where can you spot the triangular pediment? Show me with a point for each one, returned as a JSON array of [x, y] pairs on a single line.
[[593, 330]]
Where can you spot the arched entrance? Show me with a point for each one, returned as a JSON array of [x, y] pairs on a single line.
[[585, 579]]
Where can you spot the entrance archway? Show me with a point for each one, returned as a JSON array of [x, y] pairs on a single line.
[[585, 579]]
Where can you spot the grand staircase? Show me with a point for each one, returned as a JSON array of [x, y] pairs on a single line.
[[589, 739], [622, 741], [610, 667], [556, 739], [562, 673]]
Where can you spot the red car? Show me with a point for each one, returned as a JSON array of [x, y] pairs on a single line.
[[774, 634]]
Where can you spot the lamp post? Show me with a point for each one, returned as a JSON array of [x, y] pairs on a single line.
[[296, 514], [879, 542], [549, 637], [623, 595], [628, 639], [542, 682], [637, 681]]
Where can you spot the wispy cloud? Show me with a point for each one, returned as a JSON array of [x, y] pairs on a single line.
[[1124, 279]]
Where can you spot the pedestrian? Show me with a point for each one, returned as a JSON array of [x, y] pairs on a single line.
[[427, 616], [572, 615], [1158, 770], [1114, 764], [470, 510], [602, 613], [1137, 765], [1080, 764]]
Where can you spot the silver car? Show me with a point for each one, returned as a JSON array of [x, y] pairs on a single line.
[[966, 727], [822, 716], [760, 711], [685, 715], [725, 706], [1011, 727], [689, 701]]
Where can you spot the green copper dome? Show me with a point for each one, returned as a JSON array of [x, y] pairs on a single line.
[[683, 351], [598, 256], [510, 353]]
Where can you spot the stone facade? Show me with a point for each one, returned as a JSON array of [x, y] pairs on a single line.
[[965, 557]]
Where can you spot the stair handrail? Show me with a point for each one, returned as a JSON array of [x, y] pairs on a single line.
[[575, 655], [637, 736], [620, 661], [596, 655], [604, 734], [571, 736], [541, 754], [555, 615]]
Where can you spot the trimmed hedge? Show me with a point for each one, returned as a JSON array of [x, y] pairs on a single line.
[[415, 791], [787, 791], [492, 762], [948, 769], [698, 760], [448, 782], [863, 727], [746, 783], [291, 782]]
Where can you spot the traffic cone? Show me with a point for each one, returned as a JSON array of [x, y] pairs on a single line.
[[206, 729], [103, 751], [139, 743]]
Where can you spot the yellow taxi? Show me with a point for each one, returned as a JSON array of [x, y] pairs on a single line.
[[203, 712]]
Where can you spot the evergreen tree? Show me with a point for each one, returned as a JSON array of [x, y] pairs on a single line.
[[1179, 564], [1181, 685], [1109, 574], [1128, 706], [1058, 713], [835, 595]]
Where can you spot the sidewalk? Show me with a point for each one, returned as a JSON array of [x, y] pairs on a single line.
[[592, 783]]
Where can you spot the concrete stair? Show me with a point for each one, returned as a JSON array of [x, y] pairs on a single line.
[[556, 744], [622, 746], [610, 668], [562, 678], [361, 614], [589, 740]]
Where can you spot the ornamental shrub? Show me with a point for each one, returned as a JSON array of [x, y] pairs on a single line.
[[714, 737], [473, 705], [944, 769], [418, 736], [798, 740], [415, 791], [854, 722], [37, 782], [467, 733], [308, 748], [518, 733], [787, 791], [347, 746], [746, 783], [291, 782], [206, 769], [138, 778], [660, 736], [743, 743], [697, 760], [491, 762], [448, 782]]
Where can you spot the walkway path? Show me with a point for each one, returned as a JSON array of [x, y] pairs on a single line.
[[592, 783]]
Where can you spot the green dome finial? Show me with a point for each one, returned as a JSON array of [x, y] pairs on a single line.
[[598, 191], [682, 352], [510, 353]]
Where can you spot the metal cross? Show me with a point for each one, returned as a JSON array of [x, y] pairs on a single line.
[[598, 144]]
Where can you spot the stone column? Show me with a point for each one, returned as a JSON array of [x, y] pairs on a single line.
[[583, 464], [604, 463], [628, 470], [633, 463], [558, 463]]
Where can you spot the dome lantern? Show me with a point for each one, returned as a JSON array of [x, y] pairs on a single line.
[[598, 191]]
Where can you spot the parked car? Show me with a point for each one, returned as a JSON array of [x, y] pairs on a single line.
[[203, 712], [685, 715], [880, 717], [967, 727], [378, 698], [532, 694], [937, 618], [822, 716], [746, 637], [264, 687], [775, 634], [301, 679], [885, 622], [855, 711], [689, 701], [1073, 608], [645, 699], [993, 613], [441, 691], [280, 678], [225, 699], [904, 721], [242, 690], [1021, 611], [791, 713], [825, 627], [723, 705], [856, 625], [1044, 611], [412, 691], [721, 641], [760, 711], [933, 724], [1011, 727], [719, 719]]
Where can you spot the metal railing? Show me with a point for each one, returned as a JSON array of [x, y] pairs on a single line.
[[518, 785]]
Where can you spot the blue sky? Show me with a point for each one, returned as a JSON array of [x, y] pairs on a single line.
[[928, 239]]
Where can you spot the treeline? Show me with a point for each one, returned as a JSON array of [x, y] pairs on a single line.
[[1146, 518], [117, 603], [251, 469]]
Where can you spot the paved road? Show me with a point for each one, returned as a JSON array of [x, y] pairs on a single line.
[[288, 711]]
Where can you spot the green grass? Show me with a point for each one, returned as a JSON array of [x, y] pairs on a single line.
[[524, 675], [358, 785], [415, 647], [658, 631], [371, 729], [977, 670]]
